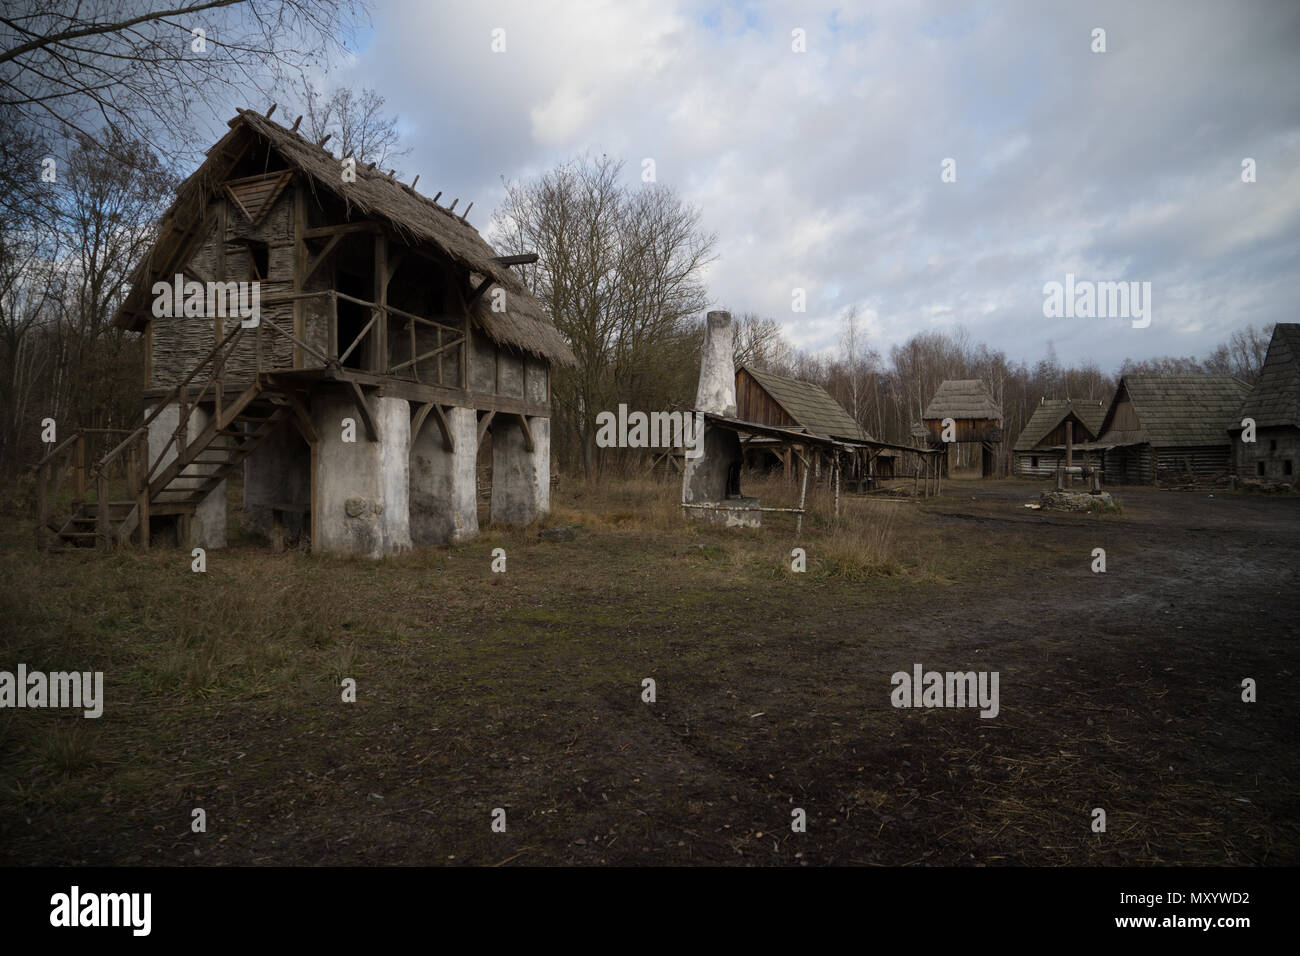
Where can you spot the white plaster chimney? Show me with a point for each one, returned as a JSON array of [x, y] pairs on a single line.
[[717, 391]]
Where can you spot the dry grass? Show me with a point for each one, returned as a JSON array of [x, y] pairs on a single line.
[[478, 690]]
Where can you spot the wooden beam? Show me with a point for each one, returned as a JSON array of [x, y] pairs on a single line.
[[528, 432], [448, 442], [483, 424], [526, 259], [359, 398], [302, 418], [318, 261], [478, 290], [320, 232], [394, 261], [379, 351], [418, 422]]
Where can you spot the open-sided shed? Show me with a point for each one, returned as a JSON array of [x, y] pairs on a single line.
[[1043, 441]]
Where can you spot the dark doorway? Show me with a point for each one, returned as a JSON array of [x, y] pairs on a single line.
[[353, 318]]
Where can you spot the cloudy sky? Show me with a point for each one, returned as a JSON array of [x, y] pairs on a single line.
[[821, 169]]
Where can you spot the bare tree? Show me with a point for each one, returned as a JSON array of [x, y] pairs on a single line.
[[758, 341], [619, 270], [151, 67], [357, 124]]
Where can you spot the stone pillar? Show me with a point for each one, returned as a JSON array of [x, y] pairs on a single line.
[[277, 477], [521, 479], [208, 527], [361, 487], [444, 484]]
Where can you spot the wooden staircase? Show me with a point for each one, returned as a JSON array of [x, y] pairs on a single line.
[[172, 480], [179, 486]]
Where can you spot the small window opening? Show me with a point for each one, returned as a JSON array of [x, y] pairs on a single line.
[[1259, 468]]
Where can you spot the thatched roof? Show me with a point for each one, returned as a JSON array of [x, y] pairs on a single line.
[[1275, 399], [413, 218], [810, 405], [1176, 410], [963, 399], [1047, 416]]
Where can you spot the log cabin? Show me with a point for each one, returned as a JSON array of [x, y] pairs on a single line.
[[1170, 427]]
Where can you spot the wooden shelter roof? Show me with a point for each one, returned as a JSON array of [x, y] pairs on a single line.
[[963, 399], [1176, 410], [414, 218], [1051, 413], [808, 404]]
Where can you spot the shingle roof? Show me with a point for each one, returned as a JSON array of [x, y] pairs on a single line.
[[966, 398], [1052, 412], [810, 405], [414, 217], [1275, 400], [1177, 410]]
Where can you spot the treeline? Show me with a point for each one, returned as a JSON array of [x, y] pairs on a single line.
[[887, 394], [621, 269], [66, 249]]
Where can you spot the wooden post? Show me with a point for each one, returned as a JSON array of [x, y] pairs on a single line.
[[803, 494], [103, 536], [79, 474], [300, 272], [142, 494], [379, 360], [42, 506], [333, 350], [837, 486], [1069, 451]]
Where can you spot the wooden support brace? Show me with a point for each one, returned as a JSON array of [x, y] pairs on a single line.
[[528, 432], [301, 418], [359, 398], [483, 424]]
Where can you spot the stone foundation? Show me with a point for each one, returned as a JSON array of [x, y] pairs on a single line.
[[361, 487]]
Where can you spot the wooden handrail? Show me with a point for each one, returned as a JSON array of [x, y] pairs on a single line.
[[167, 399]]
